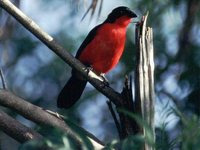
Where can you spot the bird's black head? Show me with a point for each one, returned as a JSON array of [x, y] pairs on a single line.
[[119, 12]]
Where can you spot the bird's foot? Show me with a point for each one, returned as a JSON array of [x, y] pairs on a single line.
[[93, 74], [101, 77], [105, 80]]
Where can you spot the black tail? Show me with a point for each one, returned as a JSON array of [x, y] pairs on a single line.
[[71, 92]]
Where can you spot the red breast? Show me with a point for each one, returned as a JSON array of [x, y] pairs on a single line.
[[105, 50]]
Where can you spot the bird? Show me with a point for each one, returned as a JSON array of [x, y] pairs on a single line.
[[101, 51]]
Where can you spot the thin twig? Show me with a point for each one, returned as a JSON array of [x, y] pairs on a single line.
[[100, 8], [117, 124], [92, 7], [4, 85]]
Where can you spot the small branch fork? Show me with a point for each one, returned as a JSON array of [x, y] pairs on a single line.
[[93, 7]]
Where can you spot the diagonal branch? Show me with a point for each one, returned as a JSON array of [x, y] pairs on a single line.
[[40, 116], [30, 25], [16, 130]]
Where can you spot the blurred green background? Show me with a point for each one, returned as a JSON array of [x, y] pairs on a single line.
[[35, 73]]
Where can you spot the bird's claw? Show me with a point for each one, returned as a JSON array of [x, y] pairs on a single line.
[[105, 80], [100, 77]]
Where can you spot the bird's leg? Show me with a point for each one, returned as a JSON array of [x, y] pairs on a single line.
[[105, 80], [91, 72], [101, 77]]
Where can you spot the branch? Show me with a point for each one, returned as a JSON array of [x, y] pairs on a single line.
[[16, 130], [144, 81], [30, 25], [39, 116]]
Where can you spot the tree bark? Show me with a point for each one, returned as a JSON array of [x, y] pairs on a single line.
[[144, 81], [16, 130]]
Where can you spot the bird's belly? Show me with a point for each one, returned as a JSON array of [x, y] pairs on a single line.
[[107, 57]]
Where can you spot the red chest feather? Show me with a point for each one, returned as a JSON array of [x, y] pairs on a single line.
[[105, 50]]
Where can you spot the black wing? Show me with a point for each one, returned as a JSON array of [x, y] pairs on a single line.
[[87, 40]]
